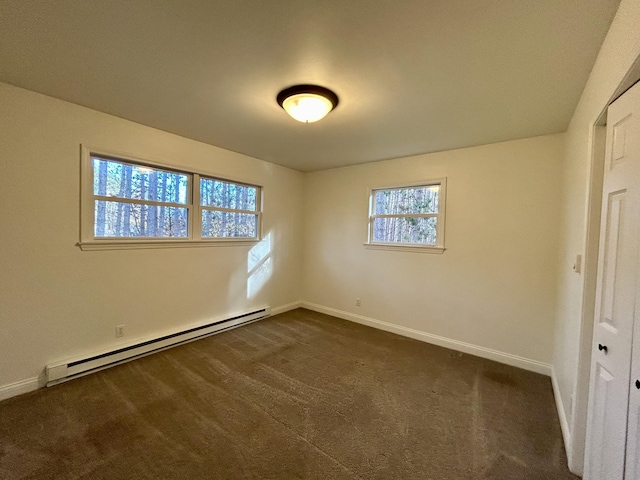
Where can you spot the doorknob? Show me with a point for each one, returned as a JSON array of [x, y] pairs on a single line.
[[638, 384], [602, 348]]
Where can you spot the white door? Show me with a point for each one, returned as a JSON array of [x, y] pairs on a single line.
[[616, 294], [632, 470]]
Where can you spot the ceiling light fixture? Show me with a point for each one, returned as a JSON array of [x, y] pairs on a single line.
[[307, 103]]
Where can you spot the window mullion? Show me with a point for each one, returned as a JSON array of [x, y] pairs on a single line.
[[228, 210], [140, 202], [405, 215], [195, 230]]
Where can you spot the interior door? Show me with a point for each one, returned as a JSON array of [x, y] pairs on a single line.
[[632, 469], [615, 294]]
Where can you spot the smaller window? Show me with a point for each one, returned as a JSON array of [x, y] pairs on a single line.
[[408, 216], [229, 210]]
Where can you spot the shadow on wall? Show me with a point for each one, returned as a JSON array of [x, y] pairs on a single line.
[[259, 266]]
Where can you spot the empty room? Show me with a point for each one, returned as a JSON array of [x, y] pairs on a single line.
[[308, 239]]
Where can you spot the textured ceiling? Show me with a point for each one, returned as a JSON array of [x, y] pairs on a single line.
[[413, 76]]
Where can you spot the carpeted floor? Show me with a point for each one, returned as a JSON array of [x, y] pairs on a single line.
[[297, 396]]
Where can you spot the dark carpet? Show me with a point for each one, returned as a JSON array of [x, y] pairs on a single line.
[[297, 396]]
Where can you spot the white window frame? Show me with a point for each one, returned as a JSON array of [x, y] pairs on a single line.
[[410, 247], [88, 240]]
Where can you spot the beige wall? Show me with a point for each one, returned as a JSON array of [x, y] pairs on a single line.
[[57, 301], [620, 49], [493, 288]]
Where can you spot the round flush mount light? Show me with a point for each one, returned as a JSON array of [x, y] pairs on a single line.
[[307, 103]]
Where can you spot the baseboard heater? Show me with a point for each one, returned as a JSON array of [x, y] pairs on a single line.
[[63, 371]]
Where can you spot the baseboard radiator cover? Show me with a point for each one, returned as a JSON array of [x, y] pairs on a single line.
[[59, 372]]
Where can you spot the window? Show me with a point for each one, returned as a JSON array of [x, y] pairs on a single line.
[[228, 209], [131, 204], [408, 216], [139, 201]]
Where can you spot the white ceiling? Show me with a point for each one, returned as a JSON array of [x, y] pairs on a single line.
[[413, 76]]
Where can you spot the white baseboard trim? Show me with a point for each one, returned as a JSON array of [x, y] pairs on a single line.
[[501, 357], [23, 386], [285, 308], [564, 424], [31, 384]]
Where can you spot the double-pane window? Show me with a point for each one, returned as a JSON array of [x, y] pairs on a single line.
[[135, 201], [409, 215], [229, 210], [142, 202]]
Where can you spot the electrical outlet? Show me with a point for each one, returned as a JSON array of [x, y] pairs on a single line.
[[358, 303], [120, 331]]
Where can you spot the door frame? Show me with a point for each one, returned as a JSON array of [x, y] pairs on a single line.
[[580, 399]]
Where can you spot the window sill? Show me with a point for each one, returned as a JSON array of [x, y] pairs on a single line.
[[142, 244], [405, 248]]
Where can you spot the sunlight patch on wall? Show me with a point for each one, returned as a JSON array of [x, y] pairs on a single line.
[[259, 266]]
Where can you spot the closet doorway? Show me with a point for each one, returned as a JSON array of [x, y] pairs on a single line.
[[613, 424]]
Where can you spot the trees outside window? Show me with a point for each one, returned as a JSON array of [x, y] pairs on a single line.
[[142, 202], [228, 209], [409, 215], [139, 201]]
